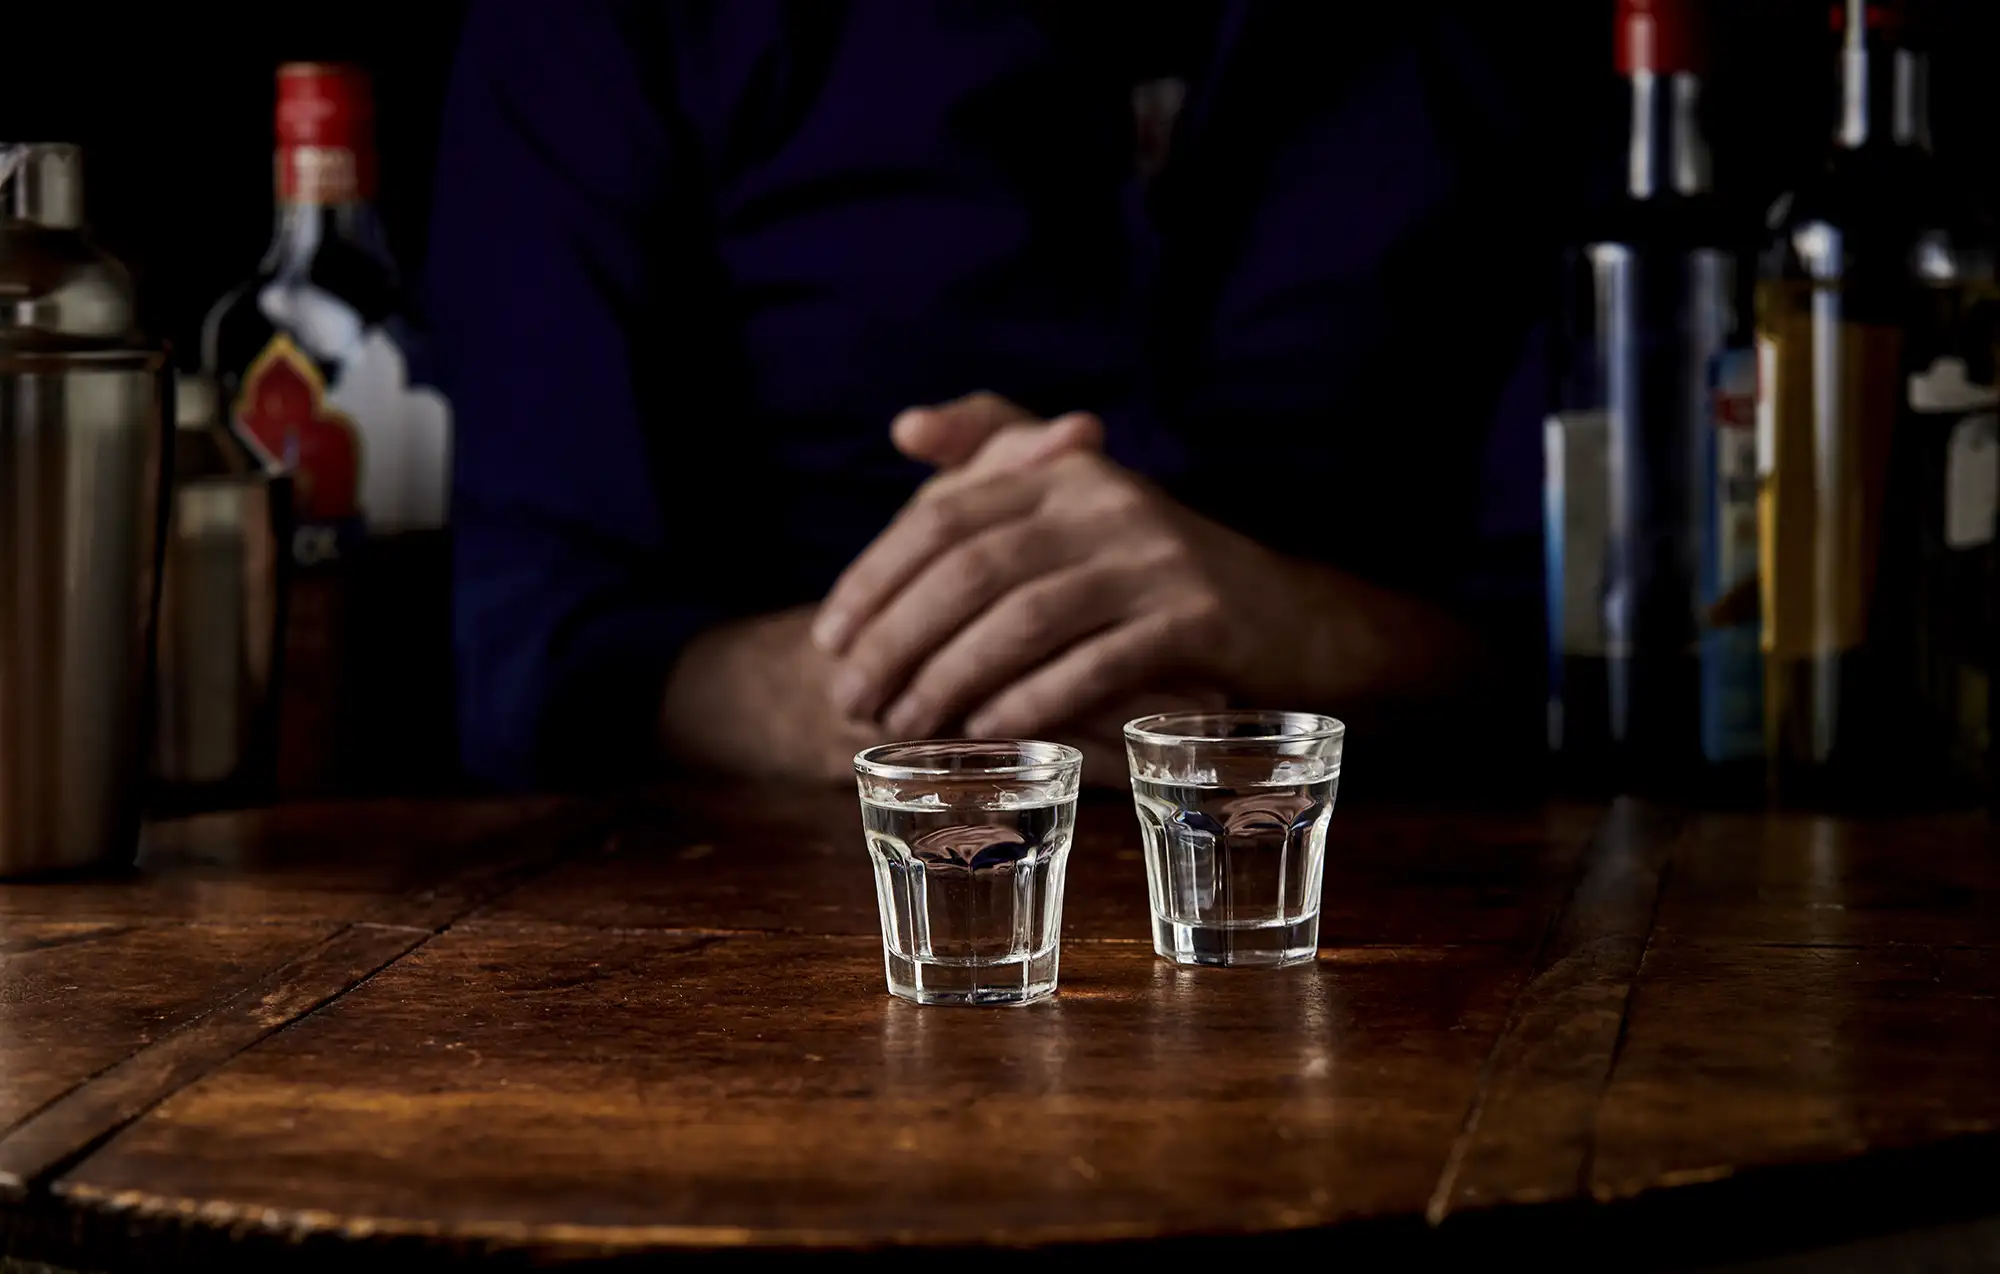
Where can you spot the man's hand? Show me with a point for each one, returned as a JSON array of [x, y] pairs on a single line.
[[1018, 597], [750, 698]]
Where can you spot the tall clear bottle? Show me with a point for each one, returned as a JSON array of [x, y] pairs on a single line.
[[1876, 448], [1648, 456]]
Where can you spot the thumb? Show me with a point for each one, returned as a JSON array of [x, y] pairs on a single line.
[[1023, 446], [949, 434]]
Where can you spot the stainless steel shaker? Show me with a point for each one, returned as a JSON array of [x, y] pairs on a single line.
[[221, 613], [84, 445]]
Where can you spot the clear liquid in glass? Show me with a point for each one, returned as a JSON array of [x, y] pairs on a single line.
[[1234, 871], [971, 897]]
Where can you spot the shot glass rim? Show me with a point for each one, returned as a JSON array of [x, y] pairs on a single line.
[[1319, 728], [1062, 758]]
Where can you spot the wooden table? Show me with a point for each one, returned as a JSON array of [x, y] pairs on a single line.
[[406, 1031]]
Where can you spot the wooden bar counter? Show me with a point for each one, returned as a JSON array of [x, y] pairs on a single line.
[[1567, 1036]]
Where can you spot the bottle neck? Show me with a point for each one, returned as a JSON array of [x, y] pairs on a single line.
[[324, 195], [1885, 95], [1668, 152], [303, 228]]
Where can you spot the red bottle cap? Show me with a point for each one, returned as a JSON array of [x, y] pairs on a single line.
[[1882, 15], [1661, 36], [326, 133]]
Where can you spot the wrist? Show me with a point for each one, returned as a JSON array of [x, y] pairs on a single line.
[[750, 698]]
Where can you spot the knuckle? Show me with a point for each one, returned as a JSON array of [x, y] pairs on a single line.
[[980, 567], [1038, 541], [1038, 614], [1200, 621], [939, 521], [1121, 493], [1164, 554]]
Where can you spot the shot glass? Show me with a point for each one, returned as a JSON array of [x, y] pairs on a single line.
[[1233, 808], [969, 839]]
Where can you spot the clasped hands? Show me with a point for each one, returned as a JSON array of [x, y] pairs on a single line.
[[1033, 588], [1032, 585]]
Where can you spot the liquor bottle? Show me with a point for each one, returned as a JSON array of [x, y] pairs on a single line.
[[313, 359], [1876, 448], [1650, 529]]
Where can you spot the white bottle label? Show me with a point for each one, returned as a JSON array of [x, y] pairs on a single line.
[[404, 430]]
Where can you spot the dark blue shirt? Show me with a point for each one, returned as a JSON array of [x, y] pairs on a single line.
[[690, 258]]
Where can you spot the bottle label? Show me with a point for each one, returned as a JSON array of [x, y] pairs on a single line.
[[403, 430], [1828, 408], [318, 175], [1972, 451], [1732, 695], [283, 406]]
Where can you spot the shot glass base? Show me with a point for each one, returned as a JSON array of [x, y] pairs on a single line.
[[1264, 946], [995, 985]]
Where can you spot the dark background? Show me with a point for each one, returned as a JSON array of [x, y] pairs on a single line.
[[173, 102]]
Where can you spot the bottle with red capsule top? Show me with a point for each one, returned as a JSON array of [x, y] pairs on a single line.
[[319, 365], [1649, 477], [1878, 460]]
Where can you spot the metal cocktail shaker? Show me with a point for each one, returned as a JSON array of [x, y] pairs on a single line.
[[84, 444]]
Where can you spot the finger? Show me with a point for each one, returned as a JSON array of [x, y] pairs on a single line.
[[1020, 446], [927, 526], [943, 598], [1117, 661], [949, 434], [1021, 631]]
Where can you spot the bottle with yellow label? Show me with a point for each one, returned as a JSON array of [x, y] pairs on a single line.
[[1876, 453]]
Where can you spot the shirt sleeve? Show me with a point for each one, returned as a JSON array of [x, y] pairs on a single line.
[[557, 177]]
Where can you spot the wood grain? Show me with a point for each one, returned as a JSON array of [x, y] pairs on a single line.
[[77, 997], [549, 1086], [1538, 1026], [151, 1070], [1796, 878], [1742, 1056], [1529, 1135], [410, 888]]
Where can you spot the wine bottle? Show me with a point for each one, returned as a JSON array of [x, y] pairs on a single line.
[[314, 360], [1876, 447], [1654, 677]]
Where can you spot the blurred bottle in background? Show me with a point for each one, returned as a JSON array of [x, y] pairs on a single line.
[[317, 362], [1649, 457], [1877, 453], [222, 592]]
